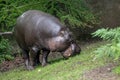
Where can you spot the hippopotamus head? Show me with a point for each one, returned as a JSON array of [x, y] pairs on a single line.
[[64, 43], [72, 50]]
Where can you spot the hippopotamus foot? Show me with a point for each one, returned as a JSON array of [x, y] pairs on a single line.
[[30, 67], [44, 64], [44, 60]]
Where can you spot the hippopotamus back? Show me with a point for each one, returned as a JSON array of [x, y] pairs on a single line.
[[36, 28]]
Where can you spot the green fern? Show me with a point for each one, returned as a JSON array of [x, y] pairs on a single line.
[[108, 34], [112, 49]]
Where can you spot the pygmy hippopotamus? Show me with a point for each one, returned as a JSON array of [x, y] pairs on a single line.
[[36, 31]]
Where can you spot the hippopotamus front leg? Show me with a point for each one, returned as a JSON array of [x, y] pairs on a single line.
[[44, 57]]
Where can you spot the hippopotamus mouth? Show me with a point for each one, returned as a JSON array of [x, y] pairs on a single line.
[[72, 50]]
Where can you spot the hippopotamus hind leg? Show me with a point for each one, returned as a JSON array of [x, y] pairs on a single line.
[[26, 57], [32, 57]]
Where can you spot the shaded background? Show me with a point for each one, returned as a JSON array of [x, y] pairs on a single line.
[[108, 10]]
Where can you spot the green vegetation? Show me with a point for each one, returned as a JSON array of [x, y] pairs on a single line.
[[71, 69], [116, 70], [71, 12], [112, 49], [5, 50]]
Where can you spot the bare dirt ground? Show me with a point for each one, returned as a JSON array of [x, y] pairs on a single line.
[[102, 73], [8, 65]]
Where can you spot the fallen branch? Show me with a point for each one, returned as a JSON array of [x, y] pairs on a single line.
[[5, 33]]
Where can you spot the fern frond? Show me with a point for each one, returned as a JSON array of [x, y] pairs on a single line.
[[112, 49]]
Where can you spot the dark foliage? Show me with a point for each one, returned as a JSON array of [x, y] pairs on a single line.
[[73, 13]]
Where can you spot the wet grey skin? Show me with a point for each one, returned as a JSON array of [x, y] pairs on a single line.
[[36, 31]]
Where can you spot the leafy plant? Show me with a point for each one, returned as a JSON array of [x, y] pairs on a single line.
[[116, 70], [72, 12], [112, 49], [5, 50]]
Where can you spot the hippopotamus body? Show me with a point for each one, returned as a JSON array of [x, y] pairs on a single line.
[[36, 31]]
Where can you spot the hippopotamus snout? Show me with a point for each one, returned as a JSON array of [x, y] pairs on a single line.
[[72, 50]]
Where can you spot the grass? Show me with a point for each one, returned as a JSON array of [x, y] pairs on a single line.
[[59, 69], [116, 70]]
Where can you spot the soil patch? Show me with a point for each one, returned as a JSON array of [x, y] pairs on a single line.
[[7, 65], [102, 73]]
